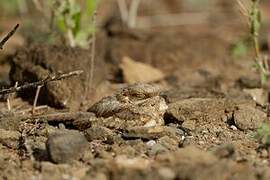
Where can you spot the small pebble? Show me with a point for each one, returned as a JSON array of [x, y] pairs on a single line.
[[233, 127], [151, 143], [166, 173], [201, 142]]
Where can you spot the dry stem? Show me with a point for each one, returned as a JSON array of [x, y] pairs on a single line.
[[35, 100], [9, 97], [123, 10], [129, 15], [43, 82], [90, 75], [6, 38], [133, 12]]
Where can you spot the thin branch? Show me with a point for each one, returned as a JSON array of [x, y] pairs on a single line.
[[25, 111], [123, 10], [93, 50], [71, 38], [65, 116], [6, 38], [43, 82], [90, 75], [36, 99], [129, 15], [133, 12], [243, 8], [9, 97]]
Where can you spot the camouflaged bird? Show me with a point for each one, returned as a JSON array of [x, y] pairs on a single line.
[[134, 105]]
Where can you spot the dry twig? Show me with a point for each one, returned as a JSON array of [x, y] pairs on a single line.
[[90, 75], [64, 116], [37, 108], [43, 82], [6, 38], [9, 97], [133, 13], [243, 8], [123, 10], [35, 100], [129, 15]]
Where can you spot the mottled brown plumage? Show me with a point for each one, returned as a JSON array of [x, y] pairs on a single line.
[[138, 105]]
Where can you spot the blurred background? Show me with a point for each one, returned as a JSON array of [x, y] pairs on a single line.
[[35, 16], [198, 31]]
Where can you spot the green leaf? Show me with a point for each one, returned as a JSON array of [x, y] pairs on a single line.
[[69, 17], [240, 48], [90, 7], [263, 134], [60, 23], [81, 39], [76, 18]]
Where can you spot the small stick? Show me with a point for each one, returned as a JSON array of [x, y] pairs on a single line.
[[243, 9], [9, 97], [90, 75], [43, 82], [123, 10], [63, 116], [129, 15], [133, 13], [35, 100], [8, 104], [6, 38], [93, 50], [66, 116], [24, 111], [266, 63]]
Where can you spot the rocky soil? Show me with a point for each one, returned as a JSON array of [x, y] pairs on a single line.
[[165, 103]]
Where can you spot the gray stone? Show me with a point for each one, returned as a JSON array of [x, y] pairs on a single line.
[[65, 146]]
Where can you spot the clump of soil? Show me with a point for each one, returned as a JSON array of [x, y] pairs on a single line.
[[37, 62]]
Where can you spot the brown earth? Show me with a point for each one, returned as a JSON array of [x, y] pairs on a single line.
[[206, 132]]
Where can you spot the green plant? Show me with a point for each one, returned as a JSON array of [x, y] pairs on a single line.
[[252, 12], [239, 48], [73, 21], [263, 134]]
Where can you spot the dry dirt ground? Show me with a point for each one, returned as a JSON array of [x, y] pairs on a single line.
[[195, 122]]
